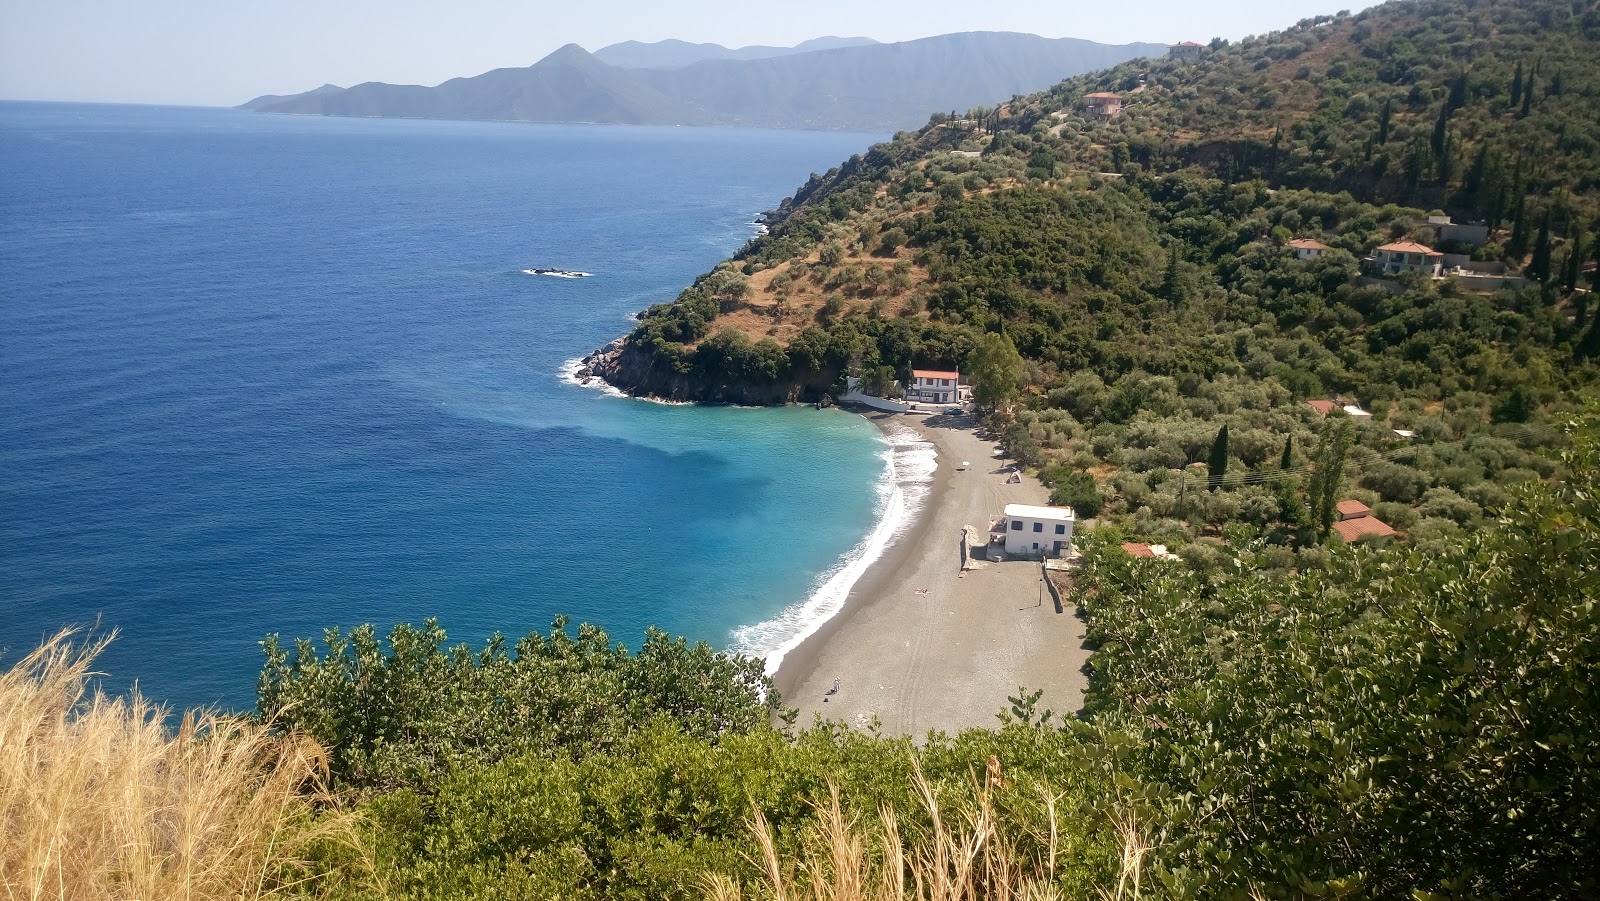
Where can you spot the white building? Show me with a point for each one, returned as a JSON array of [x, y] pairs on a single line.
[[932, 386], [1034, 530], [1307, 249]]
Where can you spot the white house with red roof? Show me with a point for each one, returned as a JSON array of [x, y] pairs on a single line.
[[1185, 50], [1407, 256], [934, 386], [1307, 249]]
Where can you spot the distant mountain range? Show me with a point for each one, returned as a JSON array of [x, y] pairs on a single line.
[[859, 86], [671, 54]]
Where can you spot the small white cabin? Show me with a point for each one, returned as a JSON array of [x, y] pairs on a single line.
[[1032, 530]]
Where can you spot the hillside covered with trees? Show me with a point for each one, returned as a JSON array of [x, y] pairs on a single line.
[[1139, 265]]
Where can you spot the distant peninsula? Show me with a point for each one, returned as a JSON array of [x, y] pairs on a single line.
[[832, 84]]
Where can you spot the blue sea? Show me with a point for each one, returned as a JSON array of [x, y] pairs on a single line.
[[265, 374]]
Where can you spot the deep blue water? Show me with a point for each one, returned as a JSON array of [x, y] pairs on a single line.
[[272, 374]]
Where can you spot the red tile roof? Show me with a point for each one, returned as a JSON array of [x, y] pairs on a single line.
[[1361, 527], [1323, 407], [1407, 247], [1352, 509], [1136, 549], [1307, 244], [934, 374]]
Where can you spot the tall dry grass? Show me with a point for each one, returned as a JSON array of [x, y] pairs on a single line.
[[101, 799], [965, 856]]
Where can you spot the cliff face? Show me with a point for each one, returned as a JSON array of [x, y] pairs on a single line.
[[635, 370]]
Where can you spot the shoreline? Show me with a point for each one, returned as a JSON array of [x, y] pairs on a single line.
[[921, 644], [803, 658]]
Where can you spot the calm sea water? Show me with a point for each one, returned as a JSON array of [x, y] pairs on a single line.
[[273, 374]]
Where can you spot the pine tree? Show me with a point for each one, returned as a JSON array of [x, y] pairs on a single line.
[[1516, 85], [1539, 266], [1217, 465]]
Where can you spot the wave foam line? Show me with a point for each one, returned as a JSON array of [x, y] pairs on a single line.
[[569, 374], [902, 493]]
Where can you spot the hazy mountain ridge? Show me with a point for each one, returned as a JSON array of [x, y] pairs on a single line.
[[876, 87], [673, 54]]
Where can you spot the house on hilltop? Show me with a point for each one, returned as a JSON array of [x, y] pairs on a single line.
[[1307, 249], [1186, 50], [1102, 105], [1406, 256]]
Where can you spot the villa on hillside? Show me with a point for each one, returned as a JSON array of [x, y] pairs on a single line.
[[1356, 522], [1102, 104], [1187, 50], [1307, 249], [1406, 256], [934, 386], [1033, 530]]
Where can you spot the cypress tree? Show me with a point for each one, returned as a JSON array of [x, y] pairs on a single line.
[[1439, 130], [1288, 452], [1217, 465], [1518, 246], [1574, 263], [1516, 85], [1539, 266], [1383, 124], [1328, 477], [1458, 92], [1527, 97]]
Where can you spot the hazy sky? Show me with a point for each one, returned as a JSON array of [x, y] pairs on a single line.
[[223, 52]]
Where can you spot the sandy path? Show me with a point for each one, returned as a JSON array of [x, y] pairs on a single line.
[[948, 658]]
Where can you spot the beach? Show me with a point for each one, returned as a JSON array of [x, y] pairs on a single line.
[[921, 644]]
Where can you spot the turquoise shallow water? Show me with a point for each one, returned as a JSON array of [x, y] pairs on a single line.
[[271, 374]]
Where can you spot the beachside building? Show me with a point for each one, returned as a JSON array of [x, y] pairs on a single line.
[[934, 386], [1186, 50], [1406, 256], [1102, 105], [1307, 249], [1356, 522], [1032, 530]]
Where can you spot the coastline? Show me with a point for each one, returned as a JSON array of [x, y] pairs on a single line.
[[922, 645]]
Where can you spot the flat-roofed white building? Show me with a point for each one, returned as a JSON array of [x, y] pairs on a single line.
[[1033, 530]]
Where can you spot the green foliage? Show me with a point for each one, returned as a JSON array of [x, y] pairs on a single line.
[[1399, 721], [404, 714], [995, 368]]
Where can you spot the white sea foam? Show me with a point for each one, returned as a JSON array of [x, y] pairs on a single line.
[[569, 374], [902, 493]]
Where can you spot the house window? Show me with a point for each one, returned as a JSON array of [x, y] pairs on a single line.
[[1038, 527], [1016, 525], [1061, 529], [1036, 545]]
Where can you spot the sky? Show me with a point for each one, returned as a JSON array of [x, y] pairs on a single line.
[[224, 52]]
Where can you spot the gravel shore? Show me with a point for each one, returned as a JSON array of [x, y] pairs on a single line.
[[921, 645]]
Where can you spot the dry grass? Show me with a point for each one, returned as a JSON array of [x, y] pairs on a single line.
[[100, 799], [965, 856]]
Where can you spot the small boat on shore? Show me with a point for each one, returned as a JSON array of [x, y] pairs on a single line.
[[558, 273]]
